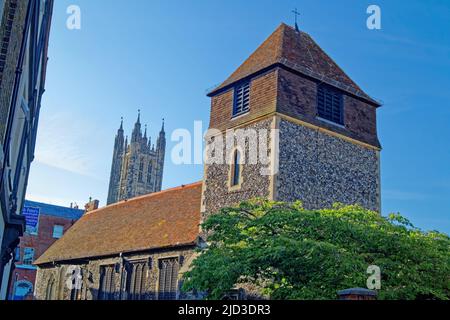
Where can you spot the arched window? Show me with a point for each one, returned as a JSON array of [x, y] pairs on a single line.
[[236, 169]]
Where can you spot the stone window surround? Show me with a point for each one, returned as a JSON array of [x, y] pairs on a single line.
[[237, 187]]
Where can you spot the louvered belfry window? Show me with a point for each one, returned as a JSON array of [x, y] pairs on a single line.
[[241, 99], [330, 104], [107, 283], [168, 279]]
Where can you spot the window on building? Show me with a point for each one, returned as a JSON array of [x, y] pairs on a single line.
[[149, 173], [168, 279], [330, 104], [28, 256], [236, 169], [17, 254], [136, 277], [107, 283], [141, 171], [241, 99], [58, 231], [23, 290]]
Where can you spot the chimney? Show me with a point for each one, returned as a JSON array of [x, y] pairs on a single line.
[[91, 205]]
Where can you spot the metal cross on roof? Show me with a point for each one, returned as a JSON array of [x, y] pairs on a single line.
[[296, 14]]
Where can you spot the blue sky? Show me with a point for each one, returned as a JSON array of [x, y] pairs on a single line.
[[162, 57]]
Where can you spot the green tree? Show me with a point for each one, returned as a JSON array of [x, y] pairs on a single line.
[[292, 253]]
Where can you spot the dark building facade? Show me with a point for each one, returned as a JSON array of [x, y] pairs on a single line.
[[24, 35], [45, 224], [137, 167]]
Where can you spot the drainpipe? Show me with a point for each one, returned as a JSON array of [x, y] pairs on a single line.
[[16, 277], [121, 276]]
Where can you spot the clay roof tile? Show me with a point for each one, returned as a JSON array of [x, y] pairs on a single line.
[[158, 220]]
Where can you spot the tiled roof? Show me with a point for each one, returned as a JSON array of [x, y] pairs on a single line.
[[298, 51], [158, 220], [56, 211]]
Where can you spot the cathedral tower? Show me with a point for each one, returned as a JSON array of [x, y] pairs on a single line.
[[324, 146], [116, 166], [137, 167], [160, 155]]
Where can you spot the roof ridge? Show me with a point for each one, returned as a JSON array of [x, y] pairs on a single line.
[[280, 28], [280, 49], [50, 204], [296, 50], [336, 64], [133, 227], [145, 196]]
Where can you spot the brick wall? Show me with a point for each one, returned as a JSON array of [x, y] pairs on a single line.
[[263, 95], [40, 243], [44, 239], [11, 34], [297, 97]]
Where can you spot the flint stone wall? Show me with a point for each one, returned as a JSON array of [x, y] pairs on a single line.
[[320, 169]]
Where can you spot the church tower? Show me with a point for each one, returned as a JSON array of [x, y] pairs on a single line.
[[323, 147], [137, 167], [160, 155], [116, 166]]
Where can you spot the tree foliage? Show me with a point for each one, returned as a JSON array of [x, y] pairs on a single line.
[[292, 253]]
